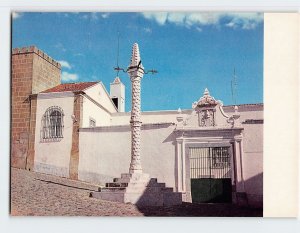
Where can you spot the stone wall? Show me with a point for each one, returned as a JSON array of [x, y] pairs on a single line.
[[32, 71], [22, 70], [46, 72]]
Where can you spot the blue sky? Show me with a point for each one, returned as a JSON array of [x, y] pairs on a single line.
[[191, 51]]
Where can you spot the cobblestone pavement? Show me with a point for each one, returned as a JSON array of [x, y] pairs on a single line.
[[46, 195]]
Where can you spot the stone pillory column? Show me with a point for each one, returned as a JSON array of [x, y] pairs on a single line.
[[137, 187], [135, 72]]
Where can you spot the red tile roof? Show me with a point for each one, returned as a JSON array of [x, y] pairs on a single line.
[[70, 87]]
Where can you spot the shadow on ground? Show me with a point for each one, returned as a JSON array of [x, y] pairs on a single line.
[[202, 210]]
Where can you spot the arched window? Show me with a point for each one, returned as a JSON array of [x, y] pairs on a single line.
[[52, 123]]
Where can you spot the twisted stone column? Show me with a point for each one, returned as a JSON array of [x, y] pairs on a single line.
[[136, 72]]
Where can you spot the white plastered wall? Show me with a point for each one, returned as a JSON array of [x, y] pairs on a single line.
[[100, 95], [253, 163], [106, 154], [146, 117], [91, 110], [53, 157]]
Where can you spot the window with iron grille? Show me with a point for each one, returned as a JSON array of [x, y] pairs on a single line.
[[52, 123]]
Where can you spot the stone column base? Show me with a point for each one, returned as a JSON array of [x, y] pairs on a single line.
[[138, 189]]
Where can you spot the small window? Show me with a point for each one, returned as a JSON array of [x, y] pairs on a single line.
[[115, 101], [92, 122], [52, 123]]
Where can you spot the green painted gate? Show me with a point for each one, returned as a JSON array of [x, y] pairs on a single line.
[[210, 172]]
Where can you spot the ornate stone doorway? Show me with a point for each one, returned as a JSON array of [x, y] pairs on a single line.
[[209, 149]]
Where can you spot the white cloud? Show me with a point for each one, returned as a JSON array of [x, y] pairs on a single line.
[[60, 46], [234, 20], [105, 15], [199, 29], [65, 64], [16, 15], [245, 20], [160, 18], [66, 76], [85, 16], [147, 30], [95, 16], [79, 55]]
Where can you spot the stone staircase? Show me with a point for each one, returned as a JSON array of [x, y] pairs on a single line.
[[138, 189]]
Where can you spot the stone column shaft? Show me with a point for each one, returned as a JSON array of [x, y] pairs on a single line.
[[135, 121], [135, 72]]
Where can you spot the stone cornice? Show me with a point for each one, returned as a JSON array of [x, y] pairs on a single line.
[[209, 129]]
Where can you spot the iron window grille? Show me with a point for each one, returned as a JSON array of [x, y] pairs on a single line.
[[52, 124], [220, 157]]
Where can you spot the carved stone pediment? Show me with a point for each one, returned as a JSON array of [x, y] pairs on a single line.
[[208, 112], [206, 101], [205, 108]]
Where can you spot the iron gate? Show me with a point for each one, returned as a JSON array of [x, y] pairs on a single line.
[[210, 173]]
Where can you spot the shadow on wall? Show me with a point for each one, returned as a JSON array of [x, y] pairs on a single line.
[[171, 138], [254, 190], [252, 203]]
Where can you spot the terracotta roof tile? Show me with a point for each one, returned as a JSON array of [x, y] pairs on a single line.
[[70, 87]]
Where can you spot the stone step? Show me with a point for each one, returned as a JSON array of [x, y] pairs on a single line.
[[153, 180], [153, 183], [137, 188], [112, 189], [116, 184], [167, 189], [162, 185], [153, 189], [128, 180], [135, 176], [172, 198], [146, 184]]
